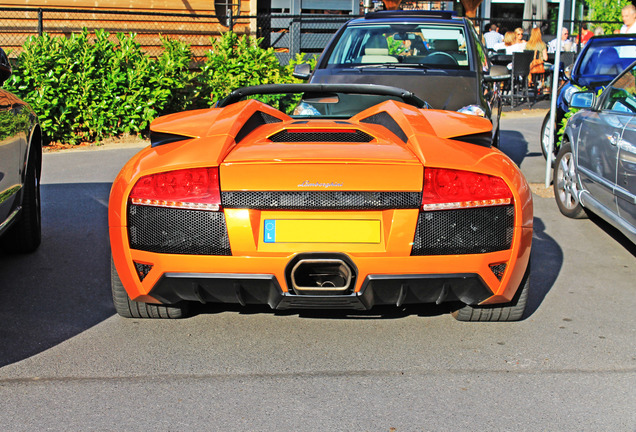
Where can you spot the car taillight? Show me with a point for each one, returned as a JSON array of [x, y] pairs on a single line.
[[451, 189], [195, 189]]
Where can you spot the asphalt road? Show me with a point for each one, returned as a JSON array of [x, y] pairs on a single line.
[[68, 363]]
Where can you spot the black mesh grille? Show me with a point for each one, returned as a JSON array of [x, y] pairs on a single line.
[[142, 270], [498, 270], [317, 200], [177, 231], [464, 231], [326, 136]]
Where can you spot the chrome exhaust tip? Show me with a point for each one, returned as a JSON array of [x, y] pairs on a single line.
[[321, 275]]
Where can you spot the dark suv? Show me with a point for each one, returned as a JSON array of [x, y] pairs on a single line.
[[434, 54]]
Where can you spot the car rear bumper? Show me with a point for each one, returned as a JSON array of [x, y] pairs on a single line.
[[252, 289]]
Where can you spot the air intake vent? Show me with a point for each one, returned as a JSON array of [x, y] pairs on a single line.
[[480, 139], [142, 270], [498, 270], [257, 120], [384, 119], [321, 135], [160, 138], [464, 231]]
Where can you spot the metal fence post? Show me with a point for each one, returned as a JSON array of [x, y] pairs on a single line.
[[40, 22], [230, 24]]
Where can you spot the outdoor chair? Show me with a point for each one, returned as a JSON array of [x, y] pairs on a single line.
[[519, 76]]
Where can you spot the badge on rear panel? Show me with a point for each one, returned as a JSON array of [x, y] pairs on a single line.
[[270, 231]]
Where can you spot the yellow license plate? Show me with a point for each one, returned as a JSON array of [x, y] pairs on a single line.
[[321, 231]]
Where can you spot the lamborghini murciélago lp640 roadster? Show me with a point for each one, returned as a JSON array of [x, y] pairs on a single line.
[[373, 199]]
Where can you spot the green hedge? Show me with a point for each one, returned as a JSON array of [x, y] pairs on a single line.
[[89, 87]]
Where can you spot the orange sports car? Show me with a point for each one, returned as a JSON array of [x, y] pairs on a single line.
[[361, 197]]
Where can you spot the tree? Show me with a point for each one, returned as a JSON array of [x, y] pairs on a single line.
[[470, 7], [602, 10]]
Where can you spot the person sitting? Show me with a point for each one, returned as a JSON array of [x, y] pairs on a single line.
[[519, 44], [493, 37], [509, 42], [566, 43], [536, 44]]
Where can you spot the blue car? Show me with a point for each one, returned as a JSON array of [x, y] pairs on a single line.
[[600, 61]]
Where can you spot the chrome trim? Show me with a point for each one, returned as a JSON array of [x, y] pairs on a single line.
[[10, 219], [593, 176], [4, 196]]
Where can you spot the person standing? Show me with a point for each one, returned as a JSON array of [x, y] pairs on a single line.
[[628, 13], [493, 37], [585, 35]]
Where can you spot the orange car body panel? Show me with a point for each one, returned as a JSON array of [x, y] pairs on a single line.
[[384, 164]]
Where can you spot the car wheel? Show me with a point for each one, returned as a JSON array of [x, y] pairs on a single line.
[[546, 130], [566, 187], [26, 234], [133, 309], [512, 311]]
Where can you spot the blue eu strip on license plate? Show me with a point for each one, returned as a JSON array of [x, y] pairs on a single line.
[[270, 231]]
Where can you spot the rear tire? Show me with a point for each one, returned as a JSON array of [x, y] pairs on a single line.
[[132, 309], [506, 312], [565, 184], [26, 233]]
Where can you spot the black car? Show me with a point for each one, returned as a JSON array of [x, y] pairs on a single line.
[[433, 54], [20, 167], [600, 61]]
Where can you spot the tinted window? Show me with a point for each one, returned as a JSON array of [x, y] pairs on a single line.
[[427, 44], [608, 58], [621, 96]]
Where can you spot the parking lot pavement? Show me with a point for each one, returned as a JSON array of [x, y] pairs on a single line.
[[67, 362]]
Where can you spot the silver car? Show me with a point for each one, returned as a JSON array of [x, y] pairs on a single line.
[[595, 169]]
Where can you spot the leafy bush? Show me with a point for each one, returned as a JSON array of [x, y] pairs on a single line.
[[239, 61], [87, 88]]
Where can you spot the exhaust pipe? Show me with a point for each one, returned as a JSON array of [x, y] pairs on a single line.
[[321, 275]]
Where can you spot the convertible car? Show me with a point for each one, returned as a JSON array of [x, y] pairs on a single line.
[[376, 201]]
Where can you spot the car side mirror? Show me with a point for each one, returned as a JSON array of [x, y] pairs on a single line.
[[583, 100], [302, 71], [5, 67]]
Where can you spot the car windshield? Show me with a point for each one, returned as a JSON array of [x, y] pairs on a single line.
[[608, 57], [392, 45]]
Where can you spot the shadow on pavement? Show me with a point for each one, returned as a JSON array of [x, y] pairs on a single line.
[[547, 261], [515, 146], [63, 288], [614, 233]]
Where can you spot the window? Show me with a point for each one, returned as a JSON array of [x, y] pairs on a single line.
[[411, 44]]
